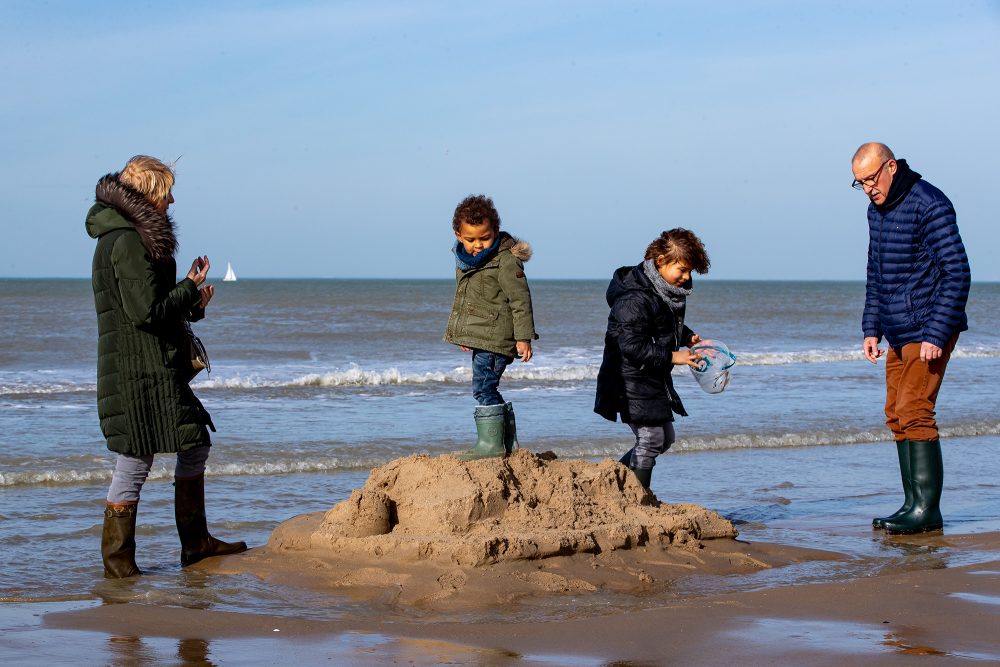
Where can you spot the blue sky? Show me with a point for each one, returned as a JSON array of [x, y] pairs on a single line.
[[333, 139]]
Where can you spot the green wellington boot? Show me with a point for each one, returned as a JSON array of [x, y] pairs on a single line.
[[926, 480], [192, 525], [903, 452], [118, 541], [510, 442], [644, 475], [490, 421]]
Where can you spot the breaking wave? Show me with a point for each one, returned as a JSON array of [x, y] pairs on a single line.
[[570, 448], [357, 376]]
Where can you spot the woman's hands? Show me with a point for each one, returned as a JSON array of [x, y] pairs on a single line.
[[206, 292], [198, 274], [199, 271]]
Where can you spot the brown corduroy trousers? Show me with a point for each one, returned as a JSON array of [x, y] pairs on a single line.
[[911, 389]]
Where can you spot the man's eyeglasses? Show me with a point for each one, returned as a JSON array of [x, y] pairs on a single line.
[[870, 180]]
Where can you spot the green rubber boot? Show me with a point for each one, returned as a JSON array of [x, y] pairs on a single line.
[[510, 442], [490, 421], [903, 452], [118, 541], [926, 480], [644, 475], [192, 525]]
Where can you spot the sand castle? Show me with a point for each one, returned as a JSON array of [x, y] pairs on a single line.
[[524, 507], [443, 534]]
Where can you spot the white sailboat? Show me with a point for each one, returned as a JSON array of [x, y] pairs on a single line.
[[230, 274]]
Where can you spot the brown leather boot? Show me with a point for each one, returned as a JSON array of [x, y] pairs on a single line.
[[118, 541], [192, 526]]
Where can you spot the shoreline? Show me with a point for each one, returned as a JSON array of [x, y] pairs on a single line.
[[947, 614]]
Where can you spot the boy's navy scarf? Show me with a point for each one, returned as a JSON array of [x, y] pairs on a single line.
[[466, 262], [674, 297]]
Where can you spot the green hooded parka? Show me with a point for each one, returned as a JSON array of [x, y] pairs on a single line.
[[143, 360], [492, 307]]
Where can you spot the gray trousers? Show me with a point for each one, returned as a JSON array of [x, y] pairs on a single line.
[[650, 442], [131, 473]]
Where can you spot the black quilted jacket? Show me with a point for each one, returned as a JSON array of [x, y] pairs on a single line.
[[634, 381]]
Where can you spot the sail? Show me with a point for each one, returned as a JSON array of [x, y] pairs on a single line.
[[230, 274]]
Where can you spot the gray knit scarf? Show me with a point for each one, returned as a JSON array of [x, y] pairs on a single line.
[[674, 297]]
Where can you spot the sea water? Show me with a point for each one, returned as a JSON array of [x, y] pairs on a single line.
[[314, 382]]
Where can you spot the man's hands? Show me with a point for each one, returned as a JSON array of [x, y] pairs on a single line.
[[928, 351], [871, 350]]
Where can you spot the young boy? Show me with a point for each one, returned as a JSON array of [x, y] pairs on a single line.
[[645, 331], [491, 317]]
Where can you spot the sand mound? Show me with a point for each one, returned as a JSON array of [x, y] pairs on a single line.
[[492, 511]]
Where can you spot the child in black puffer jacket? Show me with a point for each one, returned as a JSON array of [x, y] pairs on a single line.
[[645, 333]]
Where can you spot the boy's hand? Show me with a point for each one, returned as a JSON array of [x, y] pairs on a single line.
[[464, 349], [695, 339], [686, 358], [524, 350]]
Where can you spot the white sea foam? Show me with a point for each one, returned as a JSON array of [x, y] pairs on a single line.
[[769, 440], [575, 448], [74, 477], [53, 477], [356, 376], [577, 369], [27, 388]]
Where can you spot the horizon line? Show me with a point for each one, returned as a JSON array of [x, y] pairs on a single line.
[[449, 280]]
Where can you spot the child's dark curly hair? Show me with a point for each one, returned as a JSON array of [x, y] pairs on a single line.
[[475, 209], [679, 245]]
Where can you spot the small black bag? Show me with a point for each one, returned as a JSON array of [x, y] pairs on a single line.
[[198, 353]]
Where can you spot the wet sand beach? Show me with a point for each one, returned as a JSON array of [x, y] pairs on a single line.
[[695, 596], [945, 615]]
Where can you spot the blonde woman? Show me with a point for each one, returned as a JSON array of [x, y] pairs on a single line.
[[144, 402]]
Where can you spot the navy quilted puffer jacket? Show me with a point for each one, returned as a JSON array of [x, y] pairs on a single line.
[[918, 272]]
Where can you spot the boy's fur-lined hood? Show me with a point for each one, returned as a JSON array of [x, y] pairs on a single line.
[[155, 229], [518, 247]]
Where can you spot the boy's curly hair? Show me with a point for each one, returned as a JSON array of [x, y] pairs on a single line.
[[679, 245], [473, 210]]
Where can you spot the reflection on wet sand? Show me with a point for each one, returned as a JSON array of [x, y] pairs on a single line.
[[779, 636], [129, 650]]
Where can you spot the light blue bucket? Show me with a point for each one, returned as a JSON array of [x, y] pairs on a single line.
[[712, 372]]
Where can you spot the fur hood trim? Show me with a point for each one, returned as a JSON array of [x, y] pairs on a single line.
[[518, 247], [156, 229], [521, 250]]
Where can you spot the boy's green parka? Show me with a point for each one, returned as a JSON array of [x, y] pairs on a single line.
[[492, 308]]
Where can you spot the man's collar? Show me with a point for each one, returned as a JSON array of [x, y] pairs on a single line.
[[902, 182]]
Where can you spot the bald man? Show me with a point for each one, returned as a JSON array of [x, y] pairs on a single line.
[[918, 284]]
